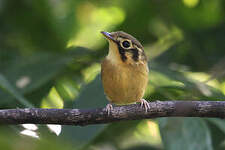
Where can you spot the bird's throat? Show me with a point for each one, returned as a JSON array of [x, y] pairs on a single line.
[[113, 54]]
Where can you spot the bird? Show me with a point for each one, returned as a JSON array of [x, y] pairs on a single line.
[[124, 71]]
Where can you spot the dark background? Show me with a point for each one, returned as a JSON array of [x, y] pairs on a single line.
[[50, 54]]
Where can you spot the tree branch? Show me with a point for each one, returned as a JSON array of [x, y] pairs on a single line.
[[98, 116]]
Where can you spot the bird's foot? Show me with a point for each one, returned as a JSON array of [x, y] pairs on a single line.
[[109, 108], [145, 104]]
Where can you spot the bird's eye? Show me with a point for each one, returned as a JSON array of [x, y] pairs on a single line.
[[126, 44]]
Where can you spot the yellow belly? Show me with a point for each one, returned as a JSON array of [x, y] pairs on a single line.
[[124, 84]]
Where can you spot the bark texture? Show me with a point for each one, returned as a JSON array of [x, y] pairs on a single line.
[[83, 117]]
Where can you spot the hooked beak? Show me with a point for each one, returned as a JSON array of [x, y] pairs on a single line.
[[107, 35]]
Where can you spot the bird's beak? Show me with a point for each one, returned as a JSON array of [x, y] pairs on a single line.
[[108, 35]]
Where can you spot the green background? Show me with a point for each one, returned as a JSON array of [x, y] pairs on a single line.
[[50, 55]]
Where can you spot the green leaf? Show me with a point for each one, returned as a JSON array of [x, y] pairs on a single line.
[[218, 122], [91, 96], [191, 87], [185, 134], [117, 133], [217, 135], [6, 86], [39, 69]]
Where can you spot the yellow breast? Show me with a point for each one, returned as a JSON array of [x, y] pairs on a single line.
[[124, 83]]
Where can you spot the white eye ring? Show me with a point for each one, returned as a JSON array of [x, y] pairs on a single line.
[[126, 44]]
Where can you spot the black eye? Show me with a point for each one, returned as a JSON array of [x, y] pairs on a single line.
[[126, 44]]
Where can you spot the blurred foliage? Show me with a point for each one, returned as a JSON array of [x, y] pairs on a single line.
[[50, 54]]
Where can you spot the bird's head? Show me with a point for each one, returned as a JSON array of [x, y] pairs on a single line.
[[124, 48]]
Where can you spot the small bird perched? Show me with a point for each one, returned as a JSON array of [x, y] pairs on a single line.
[[124, 71]]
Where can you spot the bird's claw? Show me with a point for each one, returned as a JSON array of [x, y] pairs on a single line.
[[145, 104], [109, 108]]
